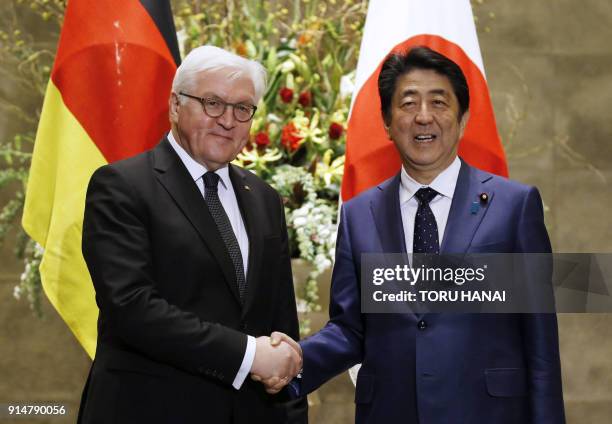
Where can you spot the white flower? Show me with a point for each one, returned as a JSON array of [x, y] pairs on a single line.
[[347, 85], [39, 250], [17, 291], [321, 262], [302, 212], [302, 306], [287, 66], [274, 118], [300, 221]]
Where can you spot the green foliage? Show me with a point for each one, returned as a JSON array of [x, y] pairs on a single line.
[[308, 47], [26, 65], [297, 141]]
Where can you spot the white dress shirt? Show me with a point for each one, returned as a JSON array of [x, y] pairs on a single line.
[[444, 184], [227, 196]]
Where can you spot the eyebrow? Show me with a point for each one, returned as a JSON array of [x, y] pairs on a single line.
[[439, 91], [209, 95]]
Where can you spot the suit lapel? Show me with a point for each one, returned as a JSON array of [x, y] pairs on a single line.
[[387, 215], [386, 209], [250, 210], [174, 177], [467, 210]]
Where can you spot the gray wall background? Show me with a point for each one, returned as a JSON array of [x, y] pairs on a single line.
[[548, 68]]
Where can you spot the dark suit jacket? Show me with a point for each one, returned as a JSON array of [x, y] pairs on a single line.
[[172, 330], [452, 368]]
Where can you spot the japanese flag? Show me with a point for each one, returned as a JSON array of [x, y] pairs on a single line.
[[446, 26]]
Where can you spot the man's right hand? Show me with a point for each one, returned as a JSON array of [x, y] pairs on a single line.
[[277, 361]]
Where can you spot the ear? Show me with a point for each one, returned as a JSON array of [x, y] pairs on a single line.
[[387, 131], [463, 123], [387, 125], [173, 107]]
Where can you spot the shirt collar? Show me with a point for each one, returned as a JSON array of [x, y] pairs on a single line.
[[196, 169], [444, 183]]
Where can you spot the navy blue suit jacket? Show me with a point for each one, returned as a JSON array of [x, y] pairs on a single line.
[[460, 368]]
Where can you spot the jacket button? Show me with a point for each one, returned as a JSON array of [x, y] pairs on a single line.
[[244, 326], [422, 325]]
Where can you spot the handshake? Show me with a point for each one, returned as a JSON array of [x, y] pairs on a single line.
[[278, 359]]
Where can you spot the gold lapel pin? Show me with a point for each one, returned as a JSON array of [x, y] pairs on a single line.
[[484, 197], [247, 188]]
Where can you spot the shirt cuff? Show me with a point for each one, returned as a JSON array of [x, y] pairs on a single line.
[[247, 363]]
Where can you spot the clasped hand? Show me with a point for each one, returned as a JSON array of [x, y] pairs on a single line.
[[278, 359]]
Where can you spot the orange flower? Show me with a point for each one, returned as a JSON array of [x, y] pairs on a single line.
[[290, 137], [240, 49], [304, 39]]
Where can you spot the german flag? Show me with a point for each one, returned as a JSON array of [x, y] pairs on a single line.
[[107, 99]]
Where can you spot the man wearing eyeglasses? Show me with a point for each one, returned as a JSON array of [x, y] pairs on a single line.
[[189, 259]]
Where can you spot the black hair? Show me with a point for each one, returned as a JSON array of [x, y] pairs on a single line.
[[398, 64]]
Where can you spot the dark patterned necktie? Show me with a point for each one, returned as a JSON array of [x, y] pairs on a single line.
[[425, 227], [211, 181]]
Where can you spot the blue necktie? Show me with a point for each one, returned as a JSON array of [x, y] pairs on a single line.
[[211, 181], [425, 226]]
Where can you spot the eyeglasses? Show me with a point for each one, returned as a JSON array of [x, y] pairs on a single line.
[[214, 107]]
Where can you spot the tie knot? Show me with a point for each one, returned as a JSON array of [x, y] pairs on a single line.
[[426, 194], [211, 180]]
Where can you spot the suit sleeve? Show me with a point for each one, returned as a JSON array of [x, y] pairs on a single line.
[[339, 345], [117, 249], [540, 334]]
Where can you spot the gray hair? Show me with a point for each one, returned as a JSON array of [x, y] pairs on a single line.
[[210, 58]]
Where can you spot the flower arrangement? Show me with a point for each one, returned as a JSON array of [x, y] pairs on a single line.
[[309, 48], [298, 134]]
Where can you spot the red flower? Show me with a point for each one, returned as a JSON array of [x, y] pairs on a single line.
[[262, 139], [335, 130], [286, 94], [305, 99], [290, 137]]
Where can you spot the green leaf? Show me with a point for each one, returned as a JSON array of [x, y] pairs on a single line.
[[272, 59]]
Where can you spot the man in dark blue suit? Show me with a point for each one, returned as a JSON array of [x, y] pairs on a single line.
[[436, 368]]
